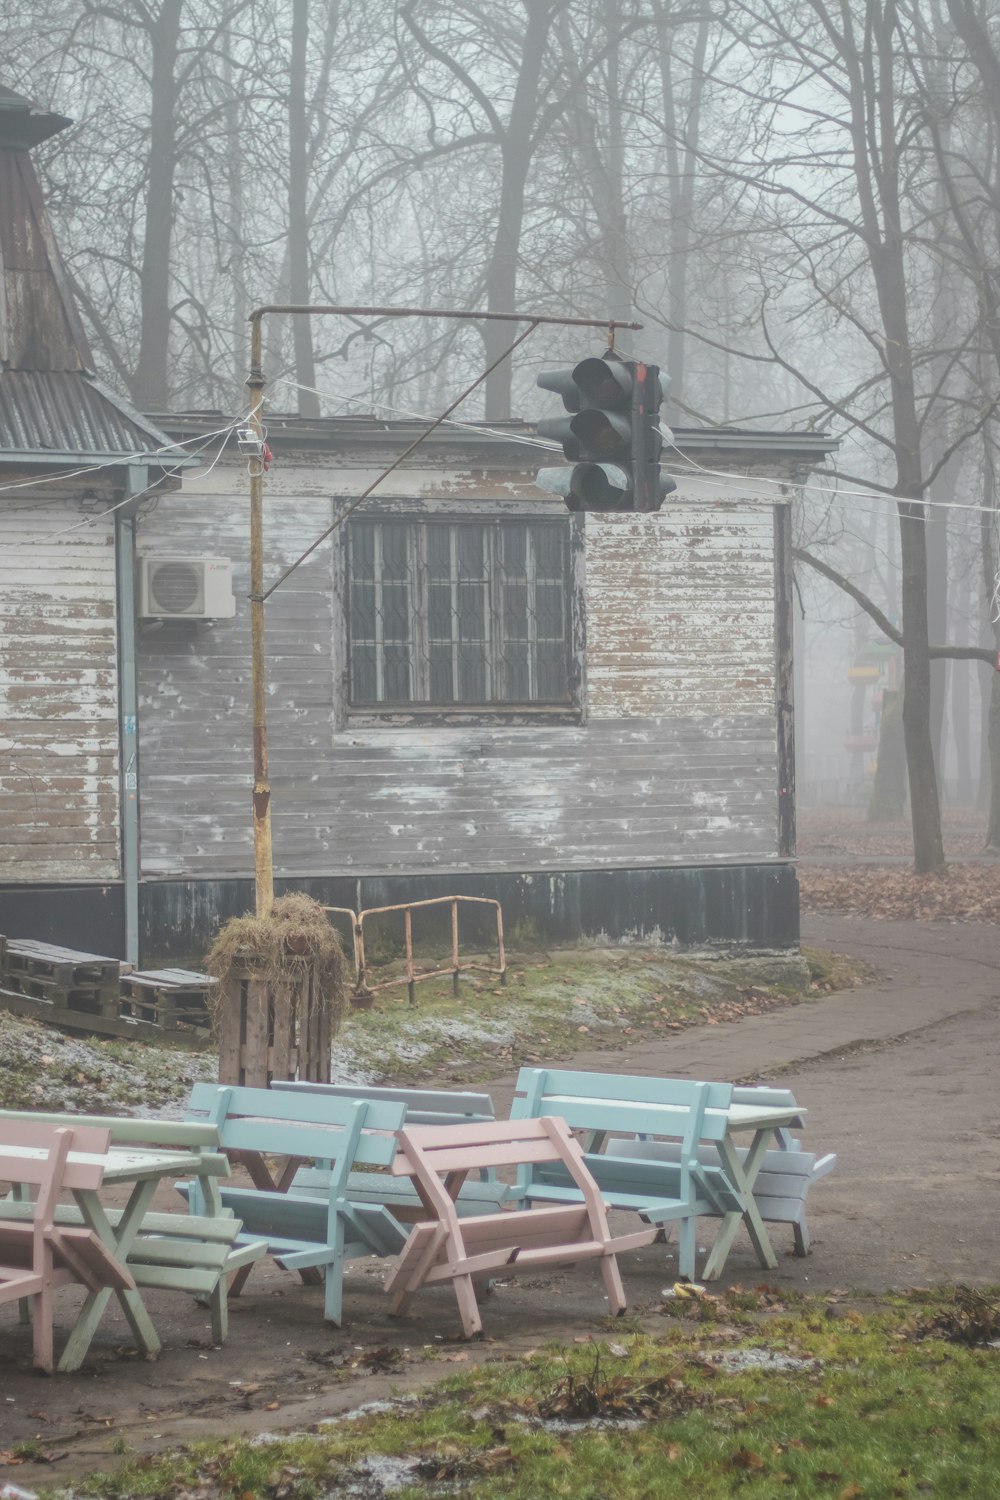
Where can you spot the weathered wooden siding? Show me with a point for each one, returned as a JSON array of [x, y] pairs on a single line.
[[675, 762], [59, 808], [680, 612], [194, 691]]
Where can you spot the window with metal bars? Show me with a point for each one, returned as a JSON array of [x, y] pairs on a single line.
[[471, 613]]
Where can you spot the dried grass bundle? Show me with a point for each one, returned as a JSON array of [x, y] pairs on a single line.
[[280, 948]]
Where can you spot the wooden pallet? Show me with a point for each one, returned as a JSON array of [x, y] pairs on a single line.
[[79, 1023], [85, 982], [168, 998]]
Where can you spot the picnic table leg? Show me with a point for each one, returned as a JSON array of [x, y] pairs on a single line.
[[611, 1276], [800, 1230], [42, 1333], [333, 1296], [95, 1303], [416, 1258], [20, 1193], [743, 1175], [468, 1307], [239, 1280], [687, 1247]]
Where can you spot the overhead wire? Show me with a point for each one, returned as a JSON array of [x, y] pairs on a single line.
[[91, 520], [116, 461], [838, 492]]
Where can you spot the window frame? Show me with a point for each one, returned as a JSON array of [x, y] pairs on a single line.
[[416, 522]]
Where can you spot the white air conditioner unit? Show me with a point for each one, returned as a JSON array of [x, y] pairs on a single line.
[[186, 588]]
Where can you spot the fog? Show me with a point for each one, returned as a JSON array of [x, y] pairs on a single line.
[[799, 200]]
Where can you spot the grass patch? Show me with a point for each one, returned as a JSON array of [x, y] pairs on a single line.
[[554, 1005], [44, 1068], [811, 1399]]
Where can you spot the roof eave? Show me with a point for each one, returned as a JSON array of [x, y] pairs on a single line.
[[32, 458]]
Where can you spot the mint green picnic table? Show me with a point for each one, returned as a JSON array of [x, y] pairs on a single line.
[[144, 1168]]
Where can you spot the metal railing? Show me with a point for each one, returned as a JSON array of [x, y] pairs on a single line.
[[363, 991]]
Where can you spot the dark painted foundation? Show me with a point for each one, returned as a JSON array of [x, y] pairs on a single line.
[[89, 918], [732, 906], [745, 907]]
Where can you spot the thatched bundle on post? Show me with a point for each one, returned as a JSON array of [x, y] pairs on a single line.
[[281, 993]]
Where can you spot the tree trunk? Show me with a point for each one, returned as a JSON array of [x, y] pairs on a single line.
[[961, 719], [150, 385], [501, 276], [298, 215], [987, 522], [993, 742], [888, 798], [925, 810], [937, 616]]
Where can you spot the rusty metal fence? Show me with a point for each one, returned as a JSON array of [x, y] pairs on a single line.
[[364, 992]]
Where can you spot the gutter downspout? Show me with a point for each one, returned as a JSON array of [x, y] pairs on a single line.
[[128, 705]]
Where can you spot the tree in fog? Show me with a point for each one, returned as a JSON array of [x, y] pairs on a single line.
[[830, 151]]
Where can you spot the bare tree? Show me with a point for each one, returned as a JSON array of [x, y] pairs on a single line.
[[834, 167]]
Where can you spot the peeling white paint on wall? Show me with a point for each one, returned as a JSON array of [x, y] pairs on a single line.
[[680, 612], [59, 816], [673, 758]]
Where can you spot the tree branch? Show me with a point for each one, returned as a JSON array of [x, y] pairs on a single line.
[[936, 653]]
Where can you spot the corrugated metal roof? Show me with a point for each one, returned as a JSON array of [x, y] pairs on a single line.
[[52, 407], [63, 413], [24, 123]]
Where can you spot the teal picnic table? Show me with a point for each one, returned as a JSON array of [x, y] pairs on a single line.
[[144, 1168]]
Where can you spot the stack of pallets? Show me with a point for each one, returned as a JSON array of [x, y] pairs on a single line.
[[169, 998], [68, 980]]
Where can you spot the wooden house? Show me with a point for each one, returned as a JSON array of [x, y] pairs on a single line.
[[470, 690]]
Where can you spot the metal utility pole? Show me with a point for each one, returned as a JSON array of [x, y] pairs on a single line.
[[263, 859], [262, 847]]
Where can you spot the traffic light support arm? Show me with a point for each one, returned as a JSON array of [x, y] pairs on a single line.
[[427, 312]]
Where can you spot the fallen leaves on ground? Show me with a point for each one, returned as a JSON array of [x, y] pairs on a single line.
[[377, 1361], [973, 1319], [452, 1464], [844, 832], [961, 893], [582, 1398]]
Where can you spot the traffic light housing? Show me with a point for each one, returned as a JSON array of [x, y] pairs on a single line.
[[612, 436]]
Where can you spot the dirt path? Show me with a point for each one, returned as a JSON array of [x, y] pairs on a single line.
[[899, 1080]]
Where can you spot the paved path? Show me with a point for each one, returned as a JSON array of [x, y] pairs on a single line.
[[900, 1079]]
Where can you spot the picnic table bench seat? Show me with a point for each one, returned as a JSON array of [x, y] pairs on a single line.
[[785, 1177], [313, 1232], [602, 1105], [423, 1107], [463, 1250], [176, 1252]]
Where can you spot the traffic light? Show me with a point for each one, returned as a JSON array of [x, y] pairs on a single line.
[[612, 438]]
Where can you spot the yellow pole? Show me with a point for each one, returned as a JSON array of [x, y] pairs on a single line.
[[262, 851]]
